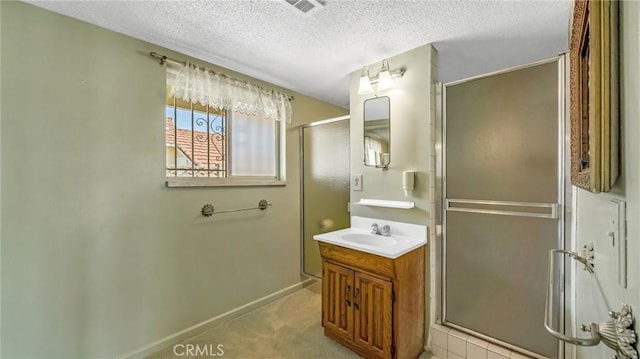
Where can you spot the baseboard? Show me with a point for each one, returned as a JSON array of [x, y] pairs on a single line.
[[210, 323], [427, 349]]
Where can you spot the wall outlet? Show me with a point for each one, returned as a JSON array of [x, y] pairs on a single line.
[[356, 182]]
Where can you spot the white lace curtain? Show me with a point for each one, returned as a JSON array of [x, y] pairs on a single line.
[[194, 84]]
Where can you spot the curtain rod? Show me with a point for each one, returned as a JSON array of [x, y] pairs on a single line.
[[164, 59]]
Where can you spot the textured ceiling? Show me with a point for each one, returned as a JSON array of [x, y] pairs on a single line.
[[315, 54]]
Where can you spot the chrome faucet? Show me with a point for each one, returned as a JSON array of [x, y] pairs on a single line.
[[382, 231]]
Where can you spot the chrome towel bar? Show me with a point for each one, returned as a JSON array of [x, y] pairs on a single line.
[[615, 333], [548, 320], [208, 209]]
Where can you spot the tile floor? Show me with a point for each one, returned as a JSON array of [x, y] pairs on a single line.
[[287, 328]]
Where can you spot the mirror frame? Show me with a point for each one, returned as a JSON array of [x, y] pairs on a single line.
[[594, 87], [364, 114]]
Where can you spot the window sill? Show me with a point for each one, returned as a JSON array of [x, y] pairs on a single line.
[[222, 182]]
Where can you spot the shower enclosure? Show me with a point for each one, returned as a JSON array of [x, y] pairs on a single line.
[[502, 198], [325, 185]]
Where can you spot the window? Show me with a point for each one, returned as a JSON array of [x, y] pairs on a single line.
[[253, 140], [207, 146], [195, 140]]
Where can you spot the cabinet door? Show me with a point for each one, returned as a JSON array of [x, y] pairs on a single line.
[[337, 298], [372, 314]]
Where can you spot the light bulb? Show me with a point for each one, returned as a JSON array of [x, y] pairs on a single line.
[[365, 82], [384, 78]]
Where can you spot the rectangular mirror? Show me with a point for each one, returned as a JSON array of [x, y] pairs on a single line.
[[377, 132]]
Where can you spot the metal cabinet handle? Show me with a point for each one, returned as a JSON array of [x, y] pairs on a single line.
[[347, 296], [356, 300]]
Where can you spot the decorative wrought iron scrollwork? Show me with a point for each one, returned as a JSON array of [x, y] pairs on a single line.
[[618, 333], [207, 210], [200, 146]]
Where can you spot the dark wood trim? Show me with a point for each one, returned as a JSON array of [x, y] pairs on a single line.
[[594, 95], [580, 171]]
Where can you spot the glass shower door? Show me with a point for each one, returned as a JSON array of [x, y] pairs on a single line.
[[325, 185], [501, 188]]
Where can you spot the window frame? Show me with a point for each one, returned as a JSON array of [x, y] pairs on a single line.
[[235, 181]]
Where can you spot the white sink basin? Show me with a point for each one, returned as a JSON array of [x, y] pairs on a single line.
[[404, 238], [369, 239]]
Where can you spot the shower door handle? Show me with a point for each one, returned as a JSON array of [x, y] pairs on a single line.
[[505, 208]]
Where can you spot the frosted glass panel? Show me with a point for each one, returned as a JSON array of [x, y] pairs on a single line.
[[496, 276], [253, 146], [502, 137], [502, 151], [325, 186]]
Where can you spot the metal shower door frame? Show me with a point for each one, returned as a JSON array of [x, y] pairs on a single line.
[[304, 274], [562, 212]]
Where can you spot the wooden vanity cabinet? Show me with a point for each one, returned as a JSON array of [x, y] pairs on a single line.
[[372, 304], [337, 311]]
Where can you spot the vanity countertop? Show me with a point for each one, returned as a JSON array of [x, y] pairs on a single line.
[[404, 237]]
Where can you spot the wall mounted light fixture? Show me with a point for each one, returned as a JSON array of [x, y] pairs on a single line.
[[365, 82], [384, 79]]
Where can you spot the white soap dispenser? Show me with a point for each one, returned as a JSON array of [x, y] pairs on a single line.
[[408, 179]]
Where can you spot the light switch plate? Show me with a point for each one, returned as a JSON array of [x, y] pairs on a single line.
[[356, 182], [618, 228]]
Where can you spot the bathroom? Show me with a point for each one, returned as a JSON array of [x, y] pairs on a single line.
[[116, 264]]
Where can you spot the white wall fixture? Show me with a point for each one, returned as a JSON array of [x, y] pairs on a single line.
[[384, 79], [385, 203], [400, 239], [618, 234], [306, 7], [365, 82], [356, 182], [408, 180]]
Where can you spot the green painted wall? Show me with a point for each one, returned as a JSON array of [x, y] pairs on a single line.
[[98, 256], [411, 144], [0, 186], [592, 210], [412, 115]]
